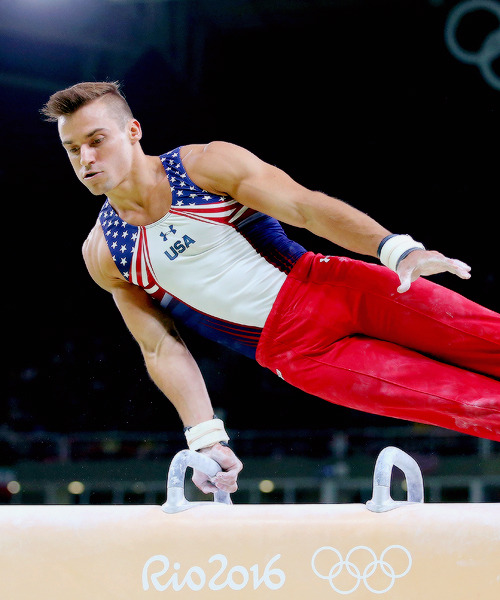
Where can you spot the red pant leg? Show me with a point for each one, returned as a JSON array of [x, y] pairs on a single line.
[[312, 337], [428, 318]]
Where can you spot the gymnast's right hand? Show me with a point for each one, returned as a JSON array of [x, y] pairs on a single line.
[[225, 480]]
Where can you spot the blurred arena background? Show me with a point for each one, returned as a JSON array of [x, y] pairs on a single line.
[[391, 105]]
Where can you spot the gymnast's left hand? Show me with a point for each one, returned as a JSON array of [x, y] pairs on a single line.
[[225, 480], [428, 262]]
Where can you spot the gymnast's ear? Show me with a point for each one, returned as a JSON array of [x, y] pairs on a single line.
[[134, 130]]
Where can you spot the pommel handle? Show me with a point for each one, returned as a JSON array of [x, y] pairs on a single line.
[[176, 500], [387, 459]]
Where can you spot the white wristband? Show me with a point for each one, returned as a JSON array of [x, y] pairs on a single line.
[[394, 247], [206, 434]]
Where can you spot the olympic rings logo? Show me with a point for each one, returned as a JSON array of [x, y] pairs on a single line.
[[361, 574], [490, 49]]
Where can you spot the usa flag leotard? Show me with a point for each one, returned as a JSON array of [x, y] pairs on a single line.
[[214, 264]]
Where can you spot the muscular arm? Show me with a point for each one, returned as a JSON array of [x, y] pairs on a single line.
[[168, 361], [228, 169]]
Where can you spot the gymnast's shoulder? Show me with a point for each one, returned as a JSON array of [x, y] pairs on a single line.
[[98, 260]]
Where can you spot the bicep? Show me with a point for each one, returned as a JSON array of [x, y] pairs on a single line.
[[149, 325], [229, 169], [267, 189]]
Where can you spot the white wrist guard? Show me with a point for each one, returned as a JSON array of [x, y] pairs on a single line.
[[206, 434], [394, 248]]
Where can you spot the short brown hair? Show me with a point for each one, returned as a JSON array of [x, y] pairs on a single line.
[[69, 100]]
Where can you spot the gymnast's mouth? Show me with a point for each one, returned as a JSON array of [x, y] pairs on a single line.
[[91, 175]]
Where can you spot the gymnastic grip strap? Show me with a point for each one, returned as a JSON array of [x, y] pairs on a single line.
[[395, 247], [206, 434]]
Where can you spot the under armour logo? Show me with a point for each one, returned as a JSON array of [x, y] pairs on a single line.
[[326, 259], [171, 230]]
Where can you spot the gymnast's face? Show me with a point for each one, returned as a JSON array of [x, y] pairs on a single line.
[[101, 145]]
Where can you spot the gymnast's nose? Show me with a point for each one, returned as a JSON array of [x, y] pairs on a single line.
[[87, 155]]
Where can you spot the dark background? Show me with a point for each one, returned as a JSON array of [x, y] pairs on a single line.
[[361, 99]]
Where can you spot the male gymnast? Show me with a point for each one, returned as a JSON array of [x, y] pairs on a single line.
[[193, 236]]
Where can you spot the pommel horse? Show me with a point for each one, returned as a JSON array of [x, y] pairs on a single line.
[[209, 550]]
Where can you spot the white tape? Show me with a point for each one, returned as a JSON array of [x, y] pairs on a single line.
[[394, 247], [206, 434]]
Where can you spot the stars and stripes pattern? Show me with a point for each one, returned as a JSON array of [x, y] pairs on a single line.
[[263, 233], [129, 249], [128, 245], [121, 238], [194, 218], [189, 200]]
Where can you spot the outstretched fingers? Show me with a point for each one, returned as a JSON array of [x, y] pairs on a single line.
[[428, 262]]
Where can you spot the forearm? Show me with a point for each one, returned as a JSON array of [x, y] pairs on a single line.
[[173, 369], [343, 224], [175, 372], [168, 361]]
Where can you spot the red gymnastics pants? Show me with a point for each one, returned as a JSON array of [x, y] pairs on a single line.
[[340, 330]]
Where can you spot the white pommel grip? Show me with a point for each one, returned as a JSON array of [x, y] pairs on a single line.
[[206, 434], [394, 248]]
